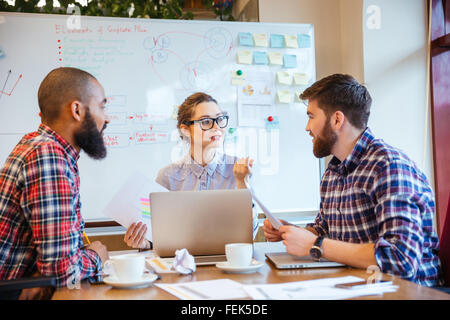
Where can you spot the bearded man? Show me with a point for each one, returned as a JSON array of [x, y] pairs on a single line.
[[41, 227], [376, 206]]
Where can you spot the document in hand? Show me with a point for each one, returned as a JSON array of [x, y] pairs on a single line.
[[131, 203], [276, 223]]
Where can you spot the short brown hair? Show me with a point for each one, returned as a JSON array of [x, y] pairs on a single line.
[[341, 92], [61, 86], [187, 109]]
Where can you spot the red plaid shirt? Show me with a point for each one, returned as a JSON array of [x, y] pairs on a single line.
[[41, 226]]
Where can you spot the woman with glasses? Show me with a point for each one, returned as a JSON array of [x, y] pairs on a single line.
[[202, 126]]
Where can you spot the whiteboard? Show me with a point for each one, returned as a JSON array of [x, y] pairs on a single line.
[[147, 68]]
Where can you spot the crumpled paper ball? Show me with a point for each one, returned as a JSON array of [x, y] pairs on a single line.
[[184, 262]]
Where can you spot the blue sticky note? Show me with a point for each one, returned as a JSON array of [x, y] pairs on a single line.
[[245, 39], [276, 41], [289, 61], [272, 125], [260, 57], [304, 41]]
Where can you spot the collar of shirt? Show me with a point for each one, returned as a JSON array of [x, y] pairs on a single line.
[[217, 164], [74, 155], [354, 158]]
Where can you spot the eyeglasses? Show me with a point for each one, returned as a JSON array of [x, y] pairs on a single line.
[[208, 123]]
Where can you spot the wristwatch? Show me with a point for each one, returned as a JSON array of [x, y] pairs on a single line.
[[316, 249]]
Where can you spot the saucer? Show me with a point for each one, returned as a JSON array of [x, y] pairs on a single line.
[[225, 266], [145, 280]]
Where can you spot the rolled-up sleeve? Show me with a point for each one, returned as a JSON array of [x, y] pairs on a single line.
[[49, 202], [400, 204]]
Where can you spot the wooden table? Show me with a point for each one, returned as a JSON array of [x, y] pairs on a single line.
[[267, 274]]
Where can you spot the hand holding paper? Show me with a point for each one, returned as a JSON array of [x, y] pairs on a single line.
[[273, 220]]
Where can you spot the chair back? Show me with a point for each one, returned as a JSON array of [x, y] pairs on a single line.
[[444, 247]]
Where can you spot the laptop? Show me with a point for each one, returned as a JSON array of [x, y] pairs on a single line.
[[200, 221], [284, 260]]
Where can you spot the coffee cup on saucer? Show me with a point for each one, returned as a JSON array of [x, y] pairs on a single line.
[[239, 254], [127, 268]]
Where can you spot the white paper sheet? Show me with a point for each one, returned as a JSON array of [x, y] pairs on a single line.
[[221, 289], [130, 204], [276, 223], [255, 99], [322, 289]]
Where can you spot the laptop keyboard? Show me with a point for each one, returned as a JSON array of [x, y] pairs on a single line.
[[203, 260], [209, 259]]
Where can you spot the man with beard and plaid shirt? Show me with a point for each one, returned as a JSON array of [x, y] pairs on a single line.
[[377, 206], [41, 226]]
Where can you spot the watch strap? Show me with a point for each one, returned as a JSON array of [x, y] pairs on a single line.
[[318, 242]]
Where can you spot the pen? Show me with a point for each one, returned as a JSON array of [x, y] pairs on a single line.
[[86, 238]]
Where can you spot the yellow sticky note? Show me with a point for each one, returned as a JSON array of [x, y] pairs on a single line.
[[291, 41], [284, 96], [260, 39], [297, 96], [276, 58], [301, 79], [284, 78], [244, 57], [174, 115]]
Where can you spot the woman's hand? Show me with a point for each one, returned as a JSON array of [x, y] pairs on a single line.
[[135, 236], [242, 169]]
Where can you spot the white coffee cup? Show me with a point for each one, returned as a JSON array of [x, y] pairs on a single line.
[[239, 254], [127, 268]]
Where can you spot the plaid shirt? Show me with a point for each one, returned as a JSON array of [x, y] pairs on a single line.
[[40, 223], [378, 195]]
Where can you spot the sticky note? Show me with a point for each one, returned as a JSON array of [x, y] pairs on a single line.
[[260, 39], [275, 58], [174, 115], [284, 96], [291, 41], [245, 39], [260, 57], [301, 79], [276, 41], [289, 61], [244, 57], [297, 96], [304, 41], [272, 123], [284, 78], [238, 78]]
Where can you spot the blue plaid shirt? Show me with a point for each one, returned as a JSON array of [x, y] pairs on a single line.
[[378, 195]]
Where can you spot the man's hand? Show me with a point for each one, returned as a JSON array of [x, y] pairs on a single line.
[[100, 249], [298, 241], [272, 234]]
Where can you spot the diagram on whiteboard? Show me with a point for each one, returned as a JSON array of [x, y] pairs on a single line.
[[195, 72], [9, 84]]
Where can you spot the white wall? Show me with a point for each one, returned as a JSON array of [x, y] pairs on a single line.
[[395, 68], [324, 14], [391, 61]]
